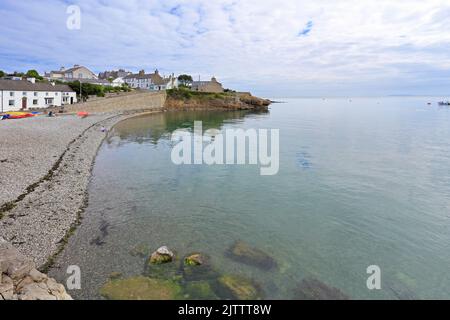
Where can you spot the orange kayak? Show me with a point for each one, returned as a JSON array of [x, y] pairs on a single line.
[[82, 114]]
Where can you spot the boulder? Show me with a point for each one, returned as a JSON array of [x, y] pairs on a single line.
[[242, 252], [162, 255], [239, 288], [141, 288], [197, 267], [195, 259], [313, 289]]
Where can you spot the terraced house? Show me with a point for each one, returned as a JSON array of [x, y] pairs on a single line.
[[16, 95], [151, 81]]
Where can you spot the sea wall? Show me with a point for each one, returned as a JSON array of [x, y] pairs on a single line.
[[122, 103]]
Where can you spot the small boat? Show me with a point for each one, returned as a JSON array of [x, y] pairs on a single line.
[[17, 115], [444, 103], [82, 114]]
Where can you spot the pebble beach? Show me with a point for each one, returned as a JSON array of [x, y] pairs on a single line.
[[44, 173]]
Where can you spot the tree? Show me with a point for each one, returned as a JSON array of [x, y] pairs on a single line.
[[2, 74], [33, 74], [185, 80]]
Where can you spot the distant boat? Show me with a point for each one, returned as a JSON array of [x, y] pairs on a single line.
[[444, 103]]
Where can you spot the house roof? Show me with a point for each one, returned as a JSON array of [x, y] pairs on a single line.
[[24, 85], [156, 78]]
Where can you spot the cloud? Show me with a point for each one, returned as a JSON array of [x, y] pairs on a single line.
[[327, 47]]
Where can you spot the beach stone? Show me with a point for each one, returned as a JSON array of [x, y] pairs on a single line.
[[198, 267], [35, 291], [240, 288], [195, 259], [242, 252], [141, 288], [162, 255], [6, 288], [37, 276], [313, 289]]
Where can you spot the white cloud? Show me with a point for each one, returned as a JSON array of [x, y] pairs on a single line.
[[353, 46]]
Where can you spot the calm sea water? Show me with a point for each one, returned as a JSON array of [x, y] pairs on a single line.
[[361, 182]]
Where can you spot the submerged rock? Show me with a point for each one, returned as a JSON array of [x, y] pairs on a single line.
[[162, 255], [242, 252], [141, 288], [313, 289], [198, 267], [240, 288], [195, 259], [200, 290]]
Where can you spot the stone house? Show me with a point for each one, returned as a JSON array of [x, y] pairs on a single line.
[[207, 86]]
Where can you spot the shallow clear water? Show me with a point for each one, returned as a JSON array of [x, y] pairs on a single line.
[[361, 182]]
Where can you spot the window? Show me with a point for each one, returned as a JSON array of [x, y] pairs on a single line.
[[46, 93], [56, 93], [35, 102], [24, 94], [11, 94], [35, 94], [11, 103]]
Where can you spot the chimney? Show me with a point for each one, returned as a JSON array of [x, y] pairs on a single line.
[[156, 71], [76, 66], [32, 80]]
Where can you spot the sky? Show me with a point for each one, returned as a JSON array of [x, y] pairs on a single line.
[[272, 48]]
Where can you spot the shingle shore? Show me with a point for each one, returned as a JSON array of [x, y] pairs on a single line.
[[45, 166]]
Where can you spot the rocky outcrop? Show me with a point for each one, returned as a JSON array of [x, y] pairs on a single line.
[[20, 280], [242, 252], [186, 100], [141, 288], [162, 255], [313, 289], [240, 288]]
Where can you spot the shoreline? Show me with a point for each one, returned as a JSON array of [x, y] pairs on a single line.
[[40, 220]]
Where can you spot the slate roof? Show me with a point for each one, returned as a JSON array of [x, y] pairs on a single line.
[[24, 85]]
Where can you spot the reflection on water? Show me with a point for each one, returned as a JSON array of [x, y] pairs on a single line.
[[361, 183]]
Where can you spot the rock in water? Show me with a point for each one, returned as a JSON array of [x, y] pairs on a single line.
[[200, 290], [141, 288], [162, 255], [313, 289], [197, 267], [239, 288], [195, 259], [244, 253]]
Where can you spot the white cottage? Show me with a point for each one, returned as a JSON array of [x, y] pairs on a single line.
[[16, 95]]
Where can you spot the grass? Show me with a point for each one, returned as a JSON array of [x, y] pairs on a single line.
[[186, 94]]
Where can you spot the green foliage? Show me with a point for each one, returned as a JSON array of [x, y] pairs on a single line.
[[185, 80], [186, 94], [2, 74], [33, 74], [89, 89]]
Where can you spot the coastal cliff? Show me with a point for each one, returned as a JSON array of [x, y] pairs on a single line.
[[183, 99]]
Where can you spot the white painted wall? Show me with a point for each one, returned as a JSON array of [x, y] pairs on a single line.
[[12, 100]]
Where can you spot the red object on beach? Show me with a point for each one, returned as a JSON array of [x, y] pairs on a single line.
[[20, 116], [82, 114]]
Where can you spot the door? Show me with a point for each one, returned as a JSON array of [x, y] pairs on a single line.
[[24, 103]]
